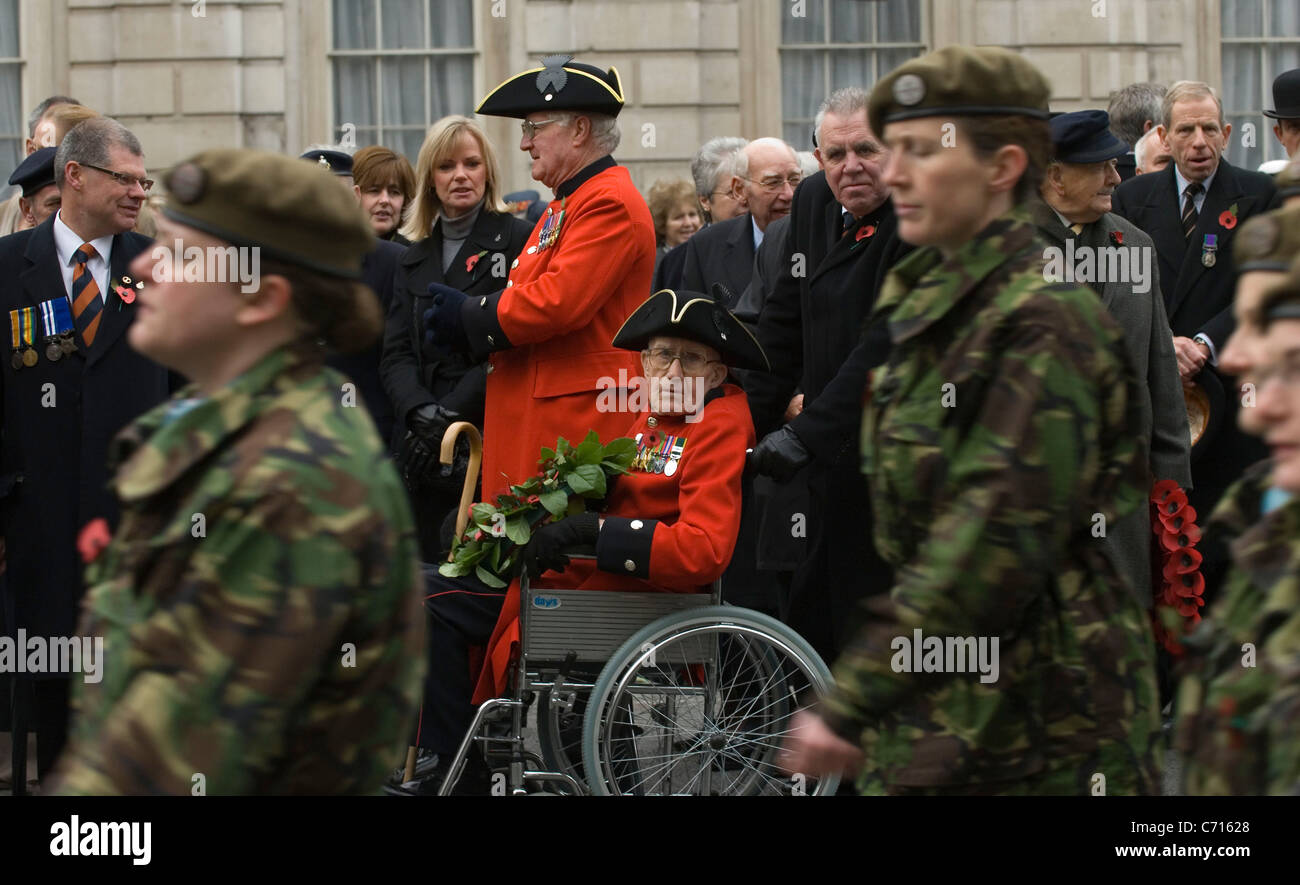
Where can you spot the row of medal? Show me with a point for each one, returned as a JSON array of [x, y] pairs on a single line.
[[550, 231], [56, 319], [658, 456]]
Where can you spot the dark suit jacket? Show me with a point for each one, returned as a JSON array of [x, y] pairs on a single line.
[[1126, 166], [379, 272], [668, 269], [1197, 298], [811, 323], [413, 373], [59, 418], [721, 253]]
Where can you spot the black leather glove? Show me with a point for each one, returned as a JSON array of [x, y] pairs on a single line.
[[780, 455], [545, 550], [443, 323], [421, 449]]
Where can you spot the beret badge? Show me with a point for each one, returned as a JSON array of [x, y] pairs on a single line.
[[909, 89], [186, 183]]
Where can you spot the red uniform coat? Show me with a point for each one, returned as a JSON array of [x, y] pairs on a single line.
[[670, 531], [560, 309]]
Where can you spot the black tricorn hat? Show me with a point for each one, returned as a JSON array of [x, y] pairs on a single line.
[[559, 84], [695, 316]]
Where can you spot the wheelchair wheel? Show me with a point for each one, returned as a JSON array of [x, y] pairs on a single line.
[[559, 732], [699, 703]]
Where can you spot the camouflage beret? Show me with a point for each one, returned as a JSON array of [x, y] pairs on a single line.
[[1288, 180], [959, 81], [1268, 242], [293, 211]]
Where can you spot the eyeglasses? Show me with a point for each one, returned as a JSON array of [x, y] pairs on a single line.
[[661, 358], [122, 178], [773, 183], [529, 128]]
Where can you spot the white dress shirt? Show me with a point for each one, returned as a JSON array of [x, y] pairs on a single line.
[[66, 244]]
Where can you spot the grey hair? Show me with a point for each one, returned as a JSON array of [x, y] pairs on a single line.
[[35, 116], [89, 142], [715, 157], [1140, 149], [1185, 90], [842, 103], [1131, 107], [605, 133]]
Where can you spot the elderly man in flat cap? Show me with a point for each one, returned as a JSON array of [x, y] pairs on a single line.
[[259, 597], [1075, 218], [585, 268]]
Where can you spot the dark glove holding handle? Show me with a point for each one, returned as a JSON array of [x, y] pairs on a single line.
[[780, 455], [545, 549]]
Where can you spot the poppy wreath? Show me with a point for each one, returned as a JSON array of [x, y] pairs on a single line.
[[1180, 584]]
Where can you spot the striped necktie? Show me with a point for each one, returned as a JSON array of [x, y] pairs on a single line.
[[1189, 208], [1076, 228], [87, 306]]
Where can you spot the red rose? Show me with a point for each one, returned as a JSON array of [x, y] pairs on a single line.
[[93, 539], [865, 232], [1227, 219]]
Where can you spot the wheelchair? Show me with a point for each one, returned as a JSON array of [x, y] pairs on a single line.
[[645, 694]]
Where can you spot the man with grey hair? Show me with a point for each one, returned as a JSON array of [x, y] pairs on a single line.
[[72, 382], [841, 241], [712, 169], [766, 174], [1133, 110], [1150, 153], [1191, 211]]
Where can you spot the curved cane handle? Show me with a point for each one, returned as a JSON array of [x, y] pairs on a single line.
[[448, 454]]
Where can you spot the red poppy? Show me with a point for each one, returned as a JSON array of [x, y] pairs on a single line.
[[1189, 586], [1184, 561], [471, 261], [1117, 237], [1227, 219], [1161, 490], [93, 539], [865, 232], [1178, 520], [126, 293], [533, 499]]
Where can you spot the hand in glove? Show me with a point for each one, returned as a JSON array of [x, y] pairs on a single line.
[[780, 455], [545, 549], [428, 423], [442, 322]]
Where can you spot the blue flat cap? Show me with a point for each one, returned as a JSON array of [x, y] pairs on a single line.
[[1085, 137], [35, 172]]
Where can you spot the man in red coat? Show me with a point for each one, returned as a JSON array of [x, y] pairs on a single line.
[[669, 524], [585, 268]]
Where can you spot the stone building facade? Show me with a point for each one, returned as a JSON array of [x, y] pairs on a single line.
[[282, 74]]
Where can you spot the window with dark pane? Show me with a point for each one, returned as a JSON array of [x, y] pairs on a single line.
[[13, 126], [1260, 39], [400, 65], [829, 44]]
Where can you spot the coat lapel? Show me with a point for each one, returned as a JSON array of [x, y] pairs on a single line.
[[117, 316], [1162, 222], [739, 256], [1223, 192]]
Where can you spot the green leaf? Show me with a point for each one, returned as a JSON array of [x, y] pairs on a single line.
[[588, 481], [494, 558], [488, 578], [453, 569], [481, 513], [547, 454], [517, 530], [554, 501], [589, 452]]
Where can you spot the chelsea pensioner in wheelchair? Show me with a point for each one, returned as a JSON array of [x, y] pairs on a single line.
[[658, 688]]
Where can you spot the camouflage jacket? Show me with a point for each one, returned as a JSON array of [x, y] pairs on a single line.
[[1238, 706], [259, 603], [1002, 430]]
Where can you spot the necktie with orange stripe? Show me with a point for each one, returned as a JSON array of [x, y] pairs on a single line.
[[87, 306]]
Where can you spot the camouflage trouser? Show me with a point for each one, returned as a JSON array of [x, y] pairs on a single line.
[[1070, 776]]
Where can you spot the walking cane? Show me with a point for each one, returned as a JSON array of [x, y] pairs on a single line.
[[447, 456]]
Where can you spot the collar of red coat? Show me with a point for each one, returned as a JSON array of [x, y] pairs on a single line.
[[588, 171]]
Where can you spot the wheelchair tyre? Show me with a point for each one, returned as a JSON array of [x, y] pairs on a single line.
[[699, 703], [559, 735]]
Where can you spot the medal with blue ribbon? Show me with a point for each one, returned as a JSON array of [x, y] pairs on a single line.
[[1208, 248], [57, 320]]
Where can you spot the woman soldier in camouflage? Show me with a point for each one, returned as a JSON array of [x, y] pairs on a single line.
[[999, 440], [259, 602]]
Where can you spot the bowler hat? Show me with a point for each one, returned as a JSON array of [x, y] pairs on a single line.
[[1286, 96]]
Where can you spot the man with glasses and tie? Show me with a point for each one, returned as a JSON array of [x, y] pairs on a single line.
[[767, 172], [1191, 210], [70, 383]]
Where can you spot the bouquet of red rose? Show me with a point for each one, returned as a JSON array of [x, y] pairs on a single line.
[[1181, 584], [568, 477]]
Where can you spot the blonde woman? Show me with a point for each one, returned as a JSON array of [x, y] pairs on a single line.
[[463, 237]]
